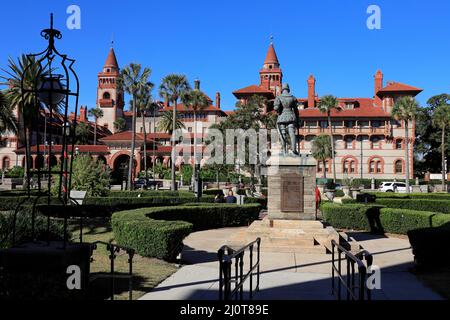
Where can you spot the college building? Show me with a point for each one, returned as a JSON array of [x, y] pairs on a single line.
[[368, 142]]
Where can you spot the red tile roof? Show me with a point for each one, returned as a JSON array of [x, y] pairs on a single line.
[[363, 108], [271, 56], [398, 87], [111, 60], [253, 89]]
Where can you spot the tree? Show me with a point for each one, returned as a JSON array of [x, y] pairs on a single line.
[[322, 150], [406, 110], [144, 103], [28, 70], [197, 101], [441, 120], [171, 89], [132, 79], [120, 124], [326, 105], [89, 175], [249, 115], [7, 118], [165, 124], [82, 132], [97, 113]]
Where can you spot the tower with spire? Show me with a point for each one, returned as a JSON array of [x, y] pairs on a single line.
[[271, 76], [109, 96]]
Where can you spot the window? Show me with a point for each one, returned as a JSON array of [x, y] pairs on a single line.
[[320, 166], [398, 166], [190, 129], [5, 163], [399, 144], [349, 105], [324, 124], [375, 165], [349, 166], [349, 124], [376, 123], [376, 143], [349, 143], [106, 95]]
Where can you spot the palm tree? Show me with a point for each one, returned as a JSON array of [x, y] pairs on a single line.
[[406, 110], [131, 80], [97, 113], [120, 124], [27, 71], [321, 149], [326, 105], [441, 120], [144, 103], [171, 89], [7, 118], [197, 101], [165, 124]]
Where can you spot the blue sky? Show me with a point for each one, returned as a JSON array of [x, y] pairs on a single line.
[[223, 43]]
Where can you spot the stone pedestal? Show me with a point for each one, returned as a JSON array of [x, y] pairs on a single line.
[[291, 188]]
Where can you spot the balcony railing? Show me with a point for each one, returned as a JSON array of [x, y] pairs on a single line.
[[345, 130]]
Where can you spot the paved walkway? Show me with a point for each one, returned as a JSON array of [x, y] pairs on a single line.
[[289, 276]]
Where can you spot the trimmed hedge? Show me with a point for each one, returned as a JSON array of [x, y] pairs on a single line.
[[159, 232], [437, 206], [377, 218], [150, 193], [430, 245], [429, 196]]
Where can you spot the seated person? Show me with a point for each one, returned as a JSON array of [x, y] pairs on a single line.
[[219, 198], [230, 198]]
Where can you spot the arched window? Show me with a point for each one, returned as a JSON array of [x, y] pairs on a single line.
[[106, 96], [376, 142], [5, 163], [399, 144], [398, 166], [349, 143], [349, 165], [375, 165]]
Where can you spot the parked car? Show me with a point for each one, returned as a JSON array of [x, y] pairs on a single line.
[[149, 184], [392, 186]]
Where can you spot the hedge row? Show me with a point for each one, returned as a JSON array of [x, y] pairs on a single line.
[[150, 193], [104, 206], [441, 206], [159, 232], [430, 196], [380, 219]]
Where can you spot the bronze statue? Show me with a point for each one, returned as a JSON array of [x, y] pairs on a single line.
[[287, 121]]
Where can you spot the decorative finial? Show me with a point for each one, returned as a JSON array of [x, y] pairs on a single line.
[[51, 20], [112, 40], [271, 39]]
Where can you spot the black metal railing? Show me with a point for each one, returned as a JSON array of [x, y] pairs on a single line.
[[113, 250], [354, 281], [226, 257]]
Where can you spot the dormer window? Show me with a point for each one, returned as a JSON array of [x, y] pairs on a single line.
[[349, 105]]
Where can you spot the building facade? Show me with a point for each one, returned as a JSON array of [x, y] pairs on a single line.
[[369, 143]]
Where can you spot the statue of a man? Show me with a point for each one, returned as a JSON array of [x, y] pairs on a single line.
[[287, 122]]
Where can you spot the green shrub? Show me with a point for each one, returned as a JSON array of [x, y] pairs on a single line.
[[339, 193], [400, 221], [348, 201], [429, 196], [149, 193], [430, 245], [440, 220], [159, 232], [350, 216], [437, 206], [24, 231]]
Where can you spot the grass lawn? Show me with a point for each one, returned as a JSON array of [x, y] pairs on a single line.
[[147, 272]]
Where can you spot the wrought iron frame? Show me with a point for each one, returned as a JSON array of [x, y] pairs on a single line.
[[47, 63], [226, 256]]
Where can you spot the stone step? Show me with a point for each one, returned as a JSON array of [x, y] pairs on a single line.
[[289, 249], [293, 224]]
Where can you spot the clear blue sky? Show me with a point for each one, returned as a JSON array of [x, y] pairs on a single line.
[[223, 43]]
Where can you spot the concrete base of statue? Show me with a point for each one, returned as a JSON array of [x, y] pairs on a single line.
[[291, 187]]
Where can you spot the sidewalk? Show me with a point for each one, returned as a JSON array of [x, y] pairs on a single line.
[[289, 276]]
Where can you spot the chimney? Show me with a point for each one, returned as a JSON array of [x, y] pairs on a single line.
[[378, 86], [83, 116], [197, 84], [218, 100], [311, 91]]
